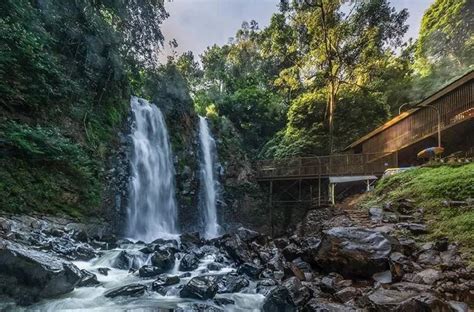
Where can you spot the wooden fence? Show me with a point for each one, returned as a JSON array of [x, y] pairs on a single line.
[[324, 166]]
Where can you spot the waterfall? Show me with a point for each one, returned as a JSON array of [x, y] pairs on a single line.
[[152, 204], [209, 183]]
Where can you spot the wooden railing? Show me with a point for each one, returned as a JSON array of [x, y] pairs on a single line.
[[323, 166]]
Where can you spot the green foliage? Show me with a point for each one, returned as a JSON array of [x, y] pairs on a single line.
[[66, 71], [445, 46], [429, 187], [31, 75], [41, 143], [236, 82], [45, 171], [446, 36]]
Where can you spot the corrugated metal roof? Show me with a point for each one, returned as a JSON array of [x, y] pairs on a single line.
[[345, 179]]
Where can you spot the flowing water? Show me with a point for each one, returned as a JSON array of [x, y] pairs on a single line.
[[152, 205], [93, 299], [209, 184], [152, 214]]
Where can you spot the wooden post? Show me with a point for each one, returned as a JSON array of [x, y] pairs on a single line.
[[299, 190], [319, 190], [271, 208], [334, 193], [331, 193]]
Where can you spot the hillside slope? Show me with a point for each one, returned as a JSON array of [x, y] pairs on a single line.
[[442, 194]]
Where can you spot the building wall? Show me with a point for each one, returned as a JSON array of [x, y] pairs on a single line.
[[455, 107]]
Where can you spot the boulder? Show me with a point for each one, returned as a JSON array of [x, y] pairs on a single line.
[[166, 280], [265, 286], [231, 283], [415, 228], [250, 269], [247, 235], [297, 272], [103, 271], [316, 305], [161, 284], [131, 290], [428, 276], [163, 259], [353, 252], [126, 260], [189, 262], [399, 265], [149, 271], [309, 248], [347, 294], [281, 242], [214, 266], [429, 258], [148, 249], [384, 277], [201, 288], [165, 243], [299, 293], [279, 300], [236, 249], [70, 250], [33, 274], [376, 214], [223, 301], [88, 279], [398, 300], [291, 252], [199, 307], [190, 239]]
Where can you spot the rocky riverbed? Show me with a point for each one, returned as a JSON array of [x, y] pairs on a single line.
[[51, 264]]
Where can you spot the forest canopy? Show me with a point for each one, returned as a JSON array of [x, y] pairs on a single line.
[[324, 72]]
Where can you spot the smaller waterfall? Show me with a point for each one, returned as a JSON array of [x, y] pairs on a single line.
[[152, 205], [209, 184]]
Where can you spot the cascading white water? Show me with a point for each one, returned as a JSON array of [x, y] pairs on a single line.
[[152, 205], [209, 183]]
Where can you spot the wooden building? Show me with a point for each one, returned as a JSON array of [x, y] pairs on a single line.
[[416, 129], [317, 180]]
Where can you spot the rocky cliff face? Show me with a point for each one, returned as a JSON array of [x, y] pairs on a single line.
[[117, 175]]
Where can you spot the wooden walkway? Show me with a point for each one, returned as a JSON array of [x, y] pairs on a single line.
[[324, 166]]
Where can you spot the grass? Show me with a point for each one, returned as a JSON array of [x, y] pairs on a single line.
[[430, 187]]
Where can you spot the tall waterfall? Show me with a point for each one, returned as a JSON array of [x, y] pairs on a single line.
[[209, 183], [152, 205]]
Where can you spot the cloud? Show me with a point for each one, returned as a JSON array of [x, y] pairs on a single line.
[[197, 24]]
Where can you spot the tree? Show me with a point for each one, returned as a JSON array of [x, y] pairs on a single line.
[[446, 36], [342, 48]]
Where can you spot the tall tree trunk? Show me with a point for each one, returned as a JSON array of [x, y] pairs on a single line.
[[331, 108]]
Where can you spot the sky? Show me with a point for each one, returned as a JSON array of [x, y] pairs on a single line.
[[197, 24]]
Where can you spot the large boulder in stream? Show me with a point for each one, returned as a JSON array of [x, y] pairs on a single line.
[[88, 279], [232, 283], [353, 252], [163, 259], [29, 275], [201, 287], [131, 290], [237, 249], [189, 262], [149, 271], [129, 259]]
